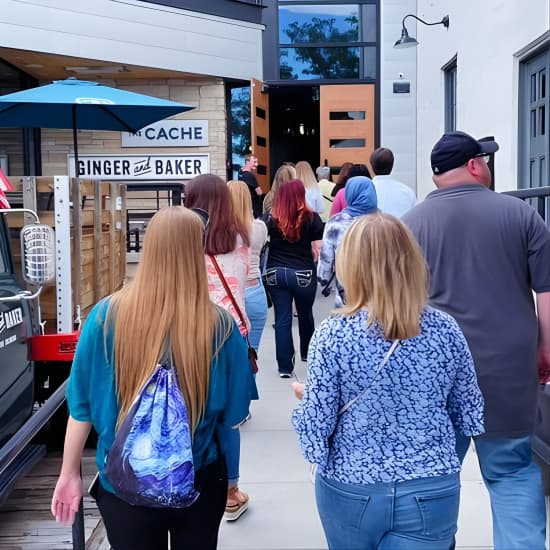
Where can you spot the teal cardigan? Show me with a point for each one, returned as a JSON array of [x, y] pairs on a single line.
[[91, 393]]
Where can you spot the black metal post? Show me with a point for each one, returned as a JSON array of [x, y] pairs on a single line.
[[79, 537], [75, 143]]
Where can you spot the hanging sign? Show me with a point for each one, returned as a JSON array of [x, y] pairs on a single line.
[[140, 167], [169, 133]]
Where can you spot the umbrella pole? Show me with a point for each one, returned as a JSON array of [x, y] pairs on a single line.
[[75, 142], [77, 207]]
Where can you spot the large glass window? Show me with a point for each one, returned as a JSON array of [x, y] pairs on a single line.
[[315, 63], [327, 41], [240, 127], [299, 23]]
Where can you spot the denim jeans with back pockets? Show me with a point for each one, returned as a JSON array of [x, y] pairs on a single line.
[[419, 514], [285, 286]]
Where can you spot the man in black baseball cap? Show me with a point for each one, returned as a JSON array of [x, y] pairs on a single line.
[[487, 253], [455, 149]]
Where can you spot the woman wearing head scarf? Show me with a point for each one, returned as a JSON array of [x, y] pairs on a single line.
[[361, 199], [339, 202]]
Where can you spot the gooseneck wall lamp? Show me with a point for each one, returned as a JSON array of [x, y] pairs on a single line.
[[407, 41]]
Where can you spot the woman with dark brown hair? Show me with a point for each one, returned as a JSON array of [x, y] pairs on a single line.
[[343, 176], [227, 248]]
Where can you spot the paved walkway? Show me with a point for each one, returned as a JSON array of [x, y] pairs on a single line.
[[282, 513]]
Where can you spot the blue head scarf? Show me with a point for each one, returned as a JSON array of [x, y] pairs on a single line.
[[360, 196]]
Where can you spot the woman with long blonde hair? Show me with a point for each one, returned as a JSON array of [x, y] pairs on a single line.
[[163, 315], [255, 300], [314, 197], [390, 379], [284, 173]]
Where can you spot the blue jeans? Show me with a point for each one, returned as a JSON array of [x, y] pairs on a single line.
[[285, 286], [256, 310], [419, 514], [514, 482]]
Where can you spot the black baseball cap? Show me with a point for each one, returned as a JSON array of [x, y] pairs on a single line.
[[455, 149]]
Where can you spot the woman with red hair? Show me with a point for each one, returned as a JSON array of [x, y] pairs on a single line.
[[295, 233]]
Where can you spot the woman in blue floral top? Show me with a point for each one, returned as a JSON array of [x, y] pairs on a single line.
[[388, 473]]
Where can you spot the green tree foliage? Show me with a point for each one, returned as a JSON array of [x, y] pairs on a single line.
[[240, 120], [327, 62]]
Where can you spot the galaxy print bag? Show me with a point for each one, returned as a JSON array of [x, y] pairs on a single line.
[[151, 460]]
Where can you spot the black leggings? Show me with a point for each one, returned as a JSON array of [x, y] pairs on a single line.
[[141, 528]]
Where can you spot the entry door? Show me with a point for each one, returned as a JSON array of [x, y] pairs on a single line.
[[259, 122], [535, 122], [346, 123]]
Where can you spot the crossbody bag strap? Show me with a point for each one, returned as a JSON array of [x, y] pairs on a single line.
[[329, 282], [264, 256], [381, 365], [264, 253], [228, 291]]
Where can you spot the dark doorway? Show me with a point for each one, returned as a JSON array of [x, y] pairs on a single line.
[[293, 125]]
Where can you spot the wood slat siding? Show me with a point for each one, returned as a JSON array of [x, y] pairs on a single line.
[[97, 255], [25, 519]]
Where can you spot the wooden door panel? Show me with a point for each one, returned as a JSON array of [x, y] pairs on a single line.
[[347, 100], [259, 122]]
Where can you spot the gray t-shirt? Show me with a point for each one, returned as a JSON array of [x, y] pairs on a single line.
[[486, 252]]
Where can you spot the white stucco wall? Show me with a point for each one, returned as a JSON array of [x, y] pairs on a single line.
[[136, 33], [485, 35], [398, 111]]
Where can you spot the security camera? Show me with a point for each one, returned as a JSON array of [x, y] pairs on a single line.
[[400, 75]]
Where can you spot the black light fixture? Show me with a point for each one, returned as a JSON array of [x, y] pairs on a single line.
[[407, 41]]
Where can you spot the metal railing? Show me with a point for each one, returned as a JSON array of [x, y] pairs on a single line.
[[537, 197], [143, 200]]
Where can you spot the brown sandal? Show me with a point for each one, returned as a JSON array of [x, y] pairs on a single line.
[[236, 504]]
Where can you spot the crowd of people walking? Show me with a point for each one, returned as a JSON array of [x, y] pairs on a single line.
[[434, 342]]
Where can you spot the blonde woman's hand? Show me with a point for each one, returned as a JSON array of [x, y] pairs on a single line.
[[316, 250], [299, 389], [66, 498]]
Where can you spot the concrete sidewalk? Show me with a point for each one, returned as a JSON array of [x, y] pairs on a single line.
[[282, 513]]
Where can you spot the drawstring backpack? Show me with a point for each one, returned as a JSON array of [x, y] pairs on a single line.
[[151, 460]]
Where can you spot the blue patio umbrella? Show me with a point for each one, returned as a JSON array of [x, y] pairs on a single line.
[[83, 105]]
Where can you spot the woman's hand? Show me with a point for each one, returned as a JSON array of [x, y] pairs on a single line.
[[299, 389], [66, 498], [68, 490], [316, 250]]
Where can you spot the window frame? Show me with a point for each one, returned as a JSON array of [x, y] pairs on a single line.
[[361, 44], [450, 76], [529, 54]]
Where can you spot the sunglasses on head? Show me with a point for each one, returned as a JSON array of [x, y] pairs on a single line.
[[205, 218], [203, 215]]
